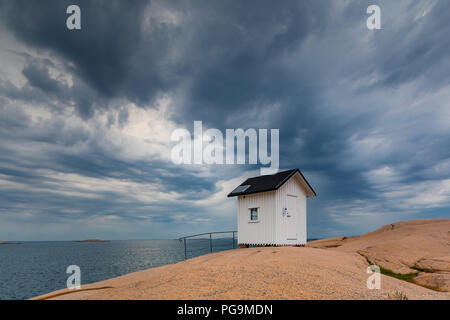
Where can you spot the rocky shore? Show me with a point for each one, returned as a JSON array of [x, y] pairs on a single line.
[[325, 269]]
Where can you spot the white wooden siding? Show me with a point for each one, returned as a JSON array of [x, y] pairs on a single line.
[[291, 187], [263, 231]]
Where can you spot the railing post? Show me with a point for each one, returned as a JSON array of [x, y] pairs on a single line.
[[233, 239], [210, 242], [185, 252]]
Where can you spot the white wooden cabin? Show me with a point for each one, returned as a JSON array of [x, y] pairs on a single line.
[[272, 209]]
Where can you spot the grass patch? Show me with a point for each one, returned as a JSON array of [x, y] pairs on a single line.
[[387, 272], [401, 276], [409, 277]]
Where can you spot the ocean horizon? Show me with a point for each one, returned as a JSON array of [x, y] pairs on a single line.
[[33, 268]]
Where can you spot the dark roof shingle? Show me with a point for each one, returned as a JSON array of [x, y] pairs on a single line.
[[266, 183]]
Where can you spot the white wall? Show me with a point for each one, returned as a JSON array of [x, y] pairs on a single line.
[[263, 231], [291, 187]]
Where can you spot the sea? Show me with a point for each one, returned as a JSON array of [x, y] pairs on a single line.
[[34, 268]]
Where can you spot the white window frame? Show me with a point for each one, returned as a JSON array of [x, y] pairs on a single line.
[[250, 215]]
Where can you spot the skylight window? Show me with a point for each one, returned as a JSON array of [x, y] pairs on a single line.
[[240, 189]]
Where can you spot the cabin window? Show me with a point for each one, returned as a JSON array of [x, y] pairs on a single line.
[[254, 214]]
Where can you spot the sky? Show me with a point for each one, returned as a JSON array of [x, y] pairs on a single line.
[[87, 115]]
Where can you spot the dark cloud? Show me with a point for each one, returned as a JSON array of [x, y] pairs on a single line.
[[360, 112], [40, 78]]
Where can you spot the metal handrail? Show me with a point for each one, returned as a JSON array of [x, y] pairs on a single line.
[[210, 239]]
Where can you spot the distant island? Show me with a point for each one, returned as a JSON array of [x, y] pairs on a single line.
[[9, 242], [91, 240]]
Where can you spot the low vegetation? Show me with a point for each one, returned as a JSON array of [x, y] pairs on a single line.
[[401, 276], [397, 295], [409, 277]]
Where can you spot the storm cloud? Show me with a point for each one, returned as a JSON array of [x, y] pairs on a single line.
[[87, 114]]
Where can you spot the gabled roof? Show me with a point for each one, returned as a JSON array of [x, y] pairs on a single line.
[[269, 183]]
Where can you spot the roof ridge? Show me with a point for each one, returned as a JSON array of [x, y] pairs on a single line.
[[293, 171], [269, 182]]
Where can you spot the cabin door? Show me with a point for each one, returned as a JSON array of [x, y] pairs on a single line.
[[292, 217]]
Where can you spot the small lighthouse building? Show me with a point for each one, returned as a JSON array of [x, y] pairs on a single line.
[[272, 209]]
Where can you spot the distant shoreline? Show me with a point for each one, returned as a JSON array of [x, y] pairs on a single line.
[[91, 240], [9, 242]]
